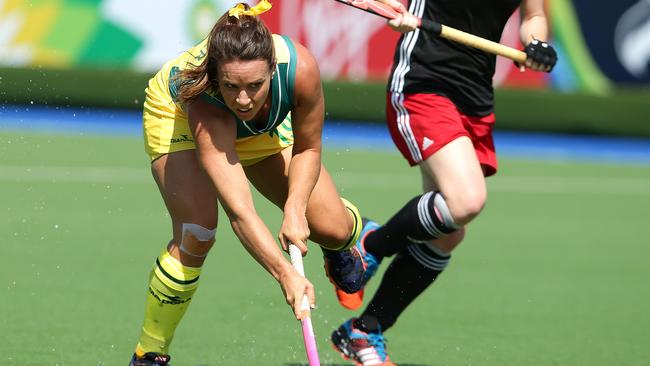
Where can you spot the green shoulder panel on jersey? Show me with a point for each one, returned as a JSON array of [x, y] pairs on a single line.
[[292, 66], [281, 89], [175, 82]]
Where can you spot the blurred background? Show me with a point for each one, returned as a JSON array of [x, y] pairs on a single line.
[[101, 53], [554, 271]]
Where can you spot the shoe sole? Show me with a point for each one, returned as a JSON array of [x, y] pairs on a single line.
[[342, 346]]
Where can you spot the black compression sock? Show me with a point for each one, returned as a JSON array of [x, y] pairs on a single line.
[[404, 280], [391, 237], [416, 221], [367, 323]]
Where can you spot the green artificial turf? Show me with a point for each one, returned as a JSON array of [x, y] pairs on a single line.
[[554, 272]]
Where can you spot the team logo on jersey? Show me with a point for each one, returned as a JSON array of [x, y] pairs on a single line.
[[426, 143]]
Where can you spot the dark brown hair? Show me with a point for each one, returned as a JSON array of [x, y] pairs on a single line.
[[245, 38]]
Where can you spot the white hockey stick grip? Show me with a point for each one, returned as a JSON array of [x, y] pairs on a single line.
[[296, 261]]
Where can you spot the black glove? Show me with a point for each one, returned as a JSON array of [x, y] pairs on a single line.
[[540, 56]]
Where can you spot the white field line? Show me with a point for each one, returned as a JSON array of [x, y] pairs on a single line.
[[349, 180], [509, 184], [69, 174]]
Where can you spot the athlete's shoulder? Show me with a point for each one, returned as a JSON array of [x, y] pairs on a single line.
[[191, 57], [196, 53], [285, 50], [307, 80], [305, 60], [288, 49]]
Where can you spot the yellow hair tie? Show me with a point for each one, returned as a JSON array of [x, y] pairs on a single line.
[[256, 10]]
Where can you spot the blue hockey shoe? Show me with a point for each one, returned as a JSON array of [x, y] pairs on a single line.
[[367, 349], [354, 300], [345, 269]]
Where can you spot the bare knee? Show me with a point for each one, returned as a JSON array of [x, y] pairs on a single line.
[[332, 235], [338, 231], [467, 205]]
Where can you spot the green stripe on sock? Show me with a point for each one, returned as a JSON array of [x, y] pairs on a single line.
[[180, 282]]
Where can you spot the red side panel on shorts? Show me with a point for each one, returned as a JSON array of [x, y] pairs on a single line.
[[421, 124]]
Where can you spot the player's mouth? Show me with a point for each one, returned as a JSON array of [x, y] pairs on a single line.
[[244, 111]]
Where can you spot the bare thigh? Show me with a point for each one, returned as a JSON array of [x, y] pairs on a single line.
[[329, 222], [455, 171], [190, 197]]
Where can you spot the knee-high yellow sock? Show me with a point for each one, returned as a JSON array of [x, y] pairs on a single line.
[[171, 288]]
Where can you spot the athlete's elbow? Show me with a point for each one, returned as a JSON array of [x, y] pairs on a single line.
[[239, 212]]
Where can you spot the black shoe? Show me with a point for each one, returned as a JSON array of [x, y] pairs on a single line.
[[150, 359], [345, 269]]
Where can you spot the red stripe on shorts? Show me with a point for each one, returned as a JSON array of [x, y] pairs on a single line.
[[421, 124]]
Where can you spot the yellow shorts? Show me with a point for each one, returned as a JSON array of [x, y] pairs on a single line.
[[166, 132]]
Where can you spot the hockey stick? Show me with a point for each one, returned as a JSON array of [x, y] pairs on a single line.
[[307, 329], [442, 30]]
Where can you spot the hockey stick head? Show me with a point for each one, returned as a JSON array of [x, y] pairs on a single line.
[[372, 7]]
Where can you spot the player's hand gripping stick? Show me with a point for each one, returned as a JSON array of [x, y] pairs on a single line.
[[307, 329], [442, 30]]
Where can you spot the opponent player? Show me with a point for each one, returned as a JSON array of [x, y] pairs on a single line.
[[243, 105], [440, 113]]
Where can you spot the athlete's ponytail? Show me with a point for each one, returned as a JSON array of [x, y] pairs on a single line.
[[233, 37]]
